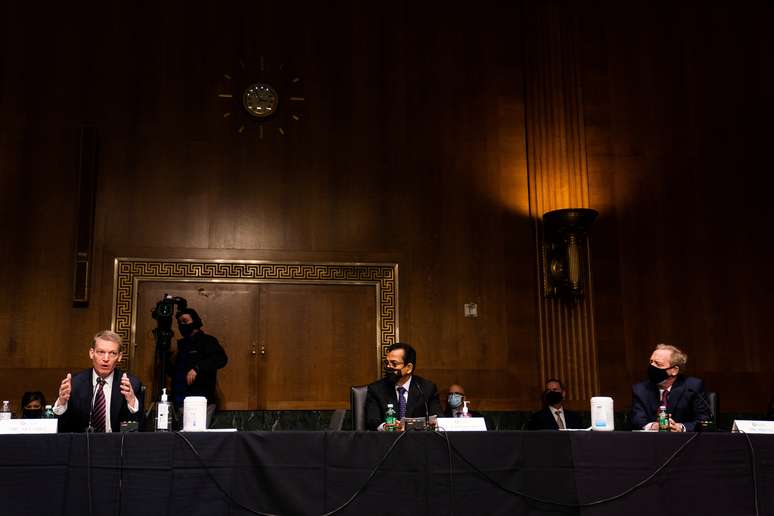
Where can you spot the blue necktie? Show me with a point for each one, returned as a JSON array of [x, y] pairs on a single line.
[[401, 403]]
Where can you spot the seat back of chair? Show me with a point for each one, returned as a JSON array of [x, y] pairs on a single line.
[[357, 403], [712, 400]]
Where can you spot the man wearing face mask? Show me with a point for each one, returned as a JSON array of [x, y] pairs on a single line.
[[455, 402], [554, 416], [410, 395], [668, 387], [195, 365]]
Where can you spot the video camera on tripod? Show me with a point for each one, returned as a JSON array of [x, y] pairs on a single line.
[[163, 312]]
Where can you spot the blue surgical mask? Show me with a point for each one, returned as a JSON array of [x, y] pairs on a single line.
[[454, 400]]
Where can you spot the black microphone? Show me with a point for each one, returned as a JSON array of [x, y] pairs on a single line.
[[424, 400], [90, 428]]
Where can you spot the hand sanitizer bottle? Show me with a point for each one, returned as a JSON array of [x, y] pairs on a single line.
[[465, 410], [162, 413]]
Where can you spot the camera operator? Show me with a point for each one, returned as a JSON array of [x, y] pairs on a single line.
[[194, 367]]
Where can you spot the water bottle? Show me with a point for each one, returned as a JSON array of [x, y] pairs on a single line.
[[389, 419], [162, 413], [49, 412], [5, 411], [663, 419]]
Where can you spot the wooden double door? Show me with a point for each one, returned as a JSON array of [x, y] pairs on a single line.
[[290, 345]]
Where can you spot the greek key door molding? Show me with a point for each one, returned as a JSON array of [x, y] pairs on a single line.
[[129, 273]]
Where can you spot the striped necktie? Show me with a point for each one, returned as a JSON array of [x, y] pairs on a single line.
[[98, 413]]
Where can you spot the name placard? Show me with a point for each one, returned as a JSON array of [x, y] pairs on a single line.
[[462, 424], [28, 426], [753, 427]]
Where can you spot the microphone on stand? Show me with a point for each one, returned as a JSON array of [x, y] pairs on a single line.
[[90, 428], [427, 408]]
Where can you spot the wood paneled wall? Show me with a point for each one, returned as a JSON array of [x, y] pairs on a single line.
[[411, 148]]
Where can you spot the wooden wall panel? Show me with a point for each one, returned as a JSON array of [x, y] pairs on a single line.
[[677, 106], [409, 150], [412, 149]]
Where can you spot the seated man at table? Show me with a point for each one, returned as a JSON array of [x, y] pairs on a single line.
[[100, 397], [455, 403], [667, 386], [554, 416], [410, 395]]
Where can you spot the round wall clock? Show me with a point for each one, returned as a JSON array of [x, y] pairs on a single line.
[[260, 100], [252, 94]]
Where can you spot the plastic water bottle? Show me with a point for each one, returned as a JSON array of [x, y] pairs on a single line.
[[5, 411], [162, 413], [389, 418], [49, 412], [663, 419]]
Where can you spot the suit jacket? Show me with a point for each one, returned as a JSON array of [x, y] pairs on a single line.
[[382, 392], [545, 420], [76, 418], [684, 403]]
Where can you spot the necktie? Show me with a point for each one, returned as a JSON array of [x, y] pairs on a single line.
[[401, 402], [98, 412], [665, 398], [559, 421]]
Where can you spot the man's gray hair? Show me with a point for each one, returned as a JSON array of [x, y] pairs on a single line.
[[679, 358], [107, 335]]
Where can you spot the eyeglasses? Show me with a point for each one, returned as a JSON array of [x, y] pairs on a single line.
[[393, 363], [102, 353]]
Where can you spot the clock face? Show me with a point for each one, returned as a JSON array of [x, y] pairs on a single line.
[[260, 100]]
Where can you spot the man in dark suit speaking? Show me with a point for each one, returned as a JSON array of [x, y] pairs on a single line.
[[681, 395], [410, 395], [99, 398]]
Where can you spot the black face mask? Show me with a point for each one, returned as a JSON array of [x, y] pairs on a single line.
[[392, 375], [32, 413], [657, 375], [185, 329], [554, 397]]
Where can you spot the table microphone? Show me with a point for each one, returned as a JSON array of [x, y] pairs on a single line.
[[427, 408], [90, 428]]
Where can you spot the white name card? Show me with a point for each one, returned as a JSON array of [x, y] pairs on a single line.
[[462, 424], [28, 426], [753, 427]]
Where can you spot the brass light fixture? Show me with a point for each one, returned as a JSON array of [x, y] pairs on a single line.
[[565, 252]]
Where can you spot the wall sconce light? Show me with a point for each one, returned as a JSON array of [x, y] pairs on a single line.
[[565, 252]]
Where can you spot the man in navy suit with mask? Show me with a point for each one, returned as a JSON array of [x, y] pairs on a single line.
[[666, 385], [410, 395]]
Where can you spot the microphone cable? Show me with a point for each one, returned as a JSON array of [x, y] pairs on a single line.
[[601, 501], [754, 471], [88, 469], [443, 435], [214, 481], [121, 474], [374, 471]]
